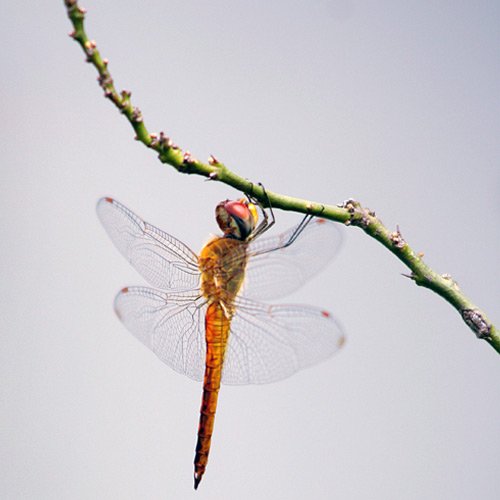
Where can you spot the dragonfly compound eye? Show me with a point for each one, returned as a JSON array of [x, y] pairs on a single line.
[[235, 218]]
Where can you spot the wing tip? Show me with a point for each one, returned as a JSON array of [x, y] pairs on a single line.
[[103, 202], [116, 307], [341, 339], [105, 199]]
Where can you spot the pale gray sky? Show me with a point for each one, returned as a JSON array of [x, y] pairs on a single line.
[[392, 103]]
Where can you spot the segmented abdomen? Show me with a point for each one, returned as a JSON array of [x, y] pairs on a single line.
[[217, 332]]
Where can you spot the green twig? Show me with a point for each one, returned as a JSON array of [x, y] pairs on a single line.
[[350, 212]]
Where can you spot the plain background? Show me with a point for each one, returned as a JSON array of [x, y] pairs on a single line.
[[392, 103]]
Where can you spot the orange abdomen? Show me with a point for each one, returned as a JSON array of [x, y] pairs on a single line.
[[217, 332]]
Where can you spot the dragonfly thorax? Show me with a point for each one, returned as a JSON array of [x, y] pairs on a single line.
[[222, 265]]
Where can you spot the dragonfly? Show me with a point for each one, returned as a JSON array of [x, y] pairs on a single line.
[[204, 315]]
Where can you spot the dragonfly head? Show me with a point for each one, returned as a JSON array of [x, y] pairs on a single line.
[[237, 219]]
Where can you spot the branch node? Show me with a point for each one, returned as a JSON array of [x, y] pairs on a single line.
[[358, 216], [476, 322], [154, 141], [188, 158], [136, 115], [164, 142], [90, 47], [105, 81], [350, 205], [397, 238]]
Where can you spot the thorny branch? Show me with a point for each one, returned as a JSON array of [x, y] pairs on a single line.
[[350, 213]]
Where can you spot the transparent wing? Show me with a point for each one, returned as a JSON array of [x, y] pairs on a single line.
[[270, 343], [274, 273], [161, 259], [266, 343], [171, 324]]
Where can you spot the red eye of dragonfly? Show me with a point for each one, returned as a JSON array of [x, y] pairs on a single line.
[[204, 318], [236, 219]]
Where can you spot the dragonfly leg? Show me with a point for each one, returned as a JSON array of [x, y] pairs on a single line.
[[303, 224], [297, 231], [268, 220]]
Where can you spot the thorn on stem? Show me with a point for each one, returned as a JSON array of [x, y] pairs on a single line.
[[212, 160]]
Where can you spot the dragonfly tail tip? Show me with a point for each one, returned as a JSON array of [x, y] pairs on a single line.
[[197, 479]]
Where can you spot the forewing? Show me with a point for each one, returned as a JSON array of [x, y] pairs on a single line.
[[275, 272], [270, 343], [161, 259], [170, 324]]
